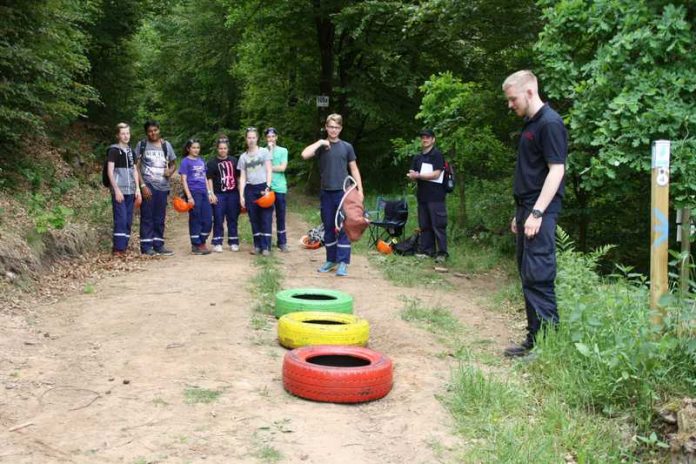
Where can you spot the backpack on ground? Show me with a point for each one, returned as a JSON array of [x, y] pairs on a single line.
[[409, 246], [448, 182]]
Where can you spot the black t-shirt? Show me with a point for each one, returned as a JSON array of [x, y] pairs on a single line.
[[333, 164], [427, 190], [224, 174], [543, 141]]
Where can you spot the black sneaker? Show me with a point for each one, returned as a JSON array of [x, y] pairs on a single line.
[[149, 252], [518, 350], [164, 252]]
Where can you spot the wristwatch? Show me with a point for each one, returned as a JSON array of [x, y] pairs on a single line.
[[536, 214]]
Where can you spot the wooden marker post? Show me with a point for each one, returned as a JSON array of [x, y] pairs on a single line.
[[659, 235]]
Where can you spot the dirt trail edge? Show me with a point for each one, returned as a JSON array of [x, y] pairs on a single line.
[[166, 365]]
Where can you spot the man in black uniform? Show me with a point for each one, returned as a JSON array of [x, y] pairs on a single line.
[[538, 192], [427, 169]]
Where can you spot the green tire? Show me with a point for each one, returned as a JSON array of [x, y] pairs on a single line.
[[312, 299]]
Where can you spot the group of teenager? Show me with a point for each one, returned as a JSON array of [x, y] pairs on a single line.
[[143, 178], [219, 190], [216, 192]]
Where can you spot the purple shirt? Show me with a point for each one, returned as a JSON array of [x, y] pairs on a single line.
[[194, 170]]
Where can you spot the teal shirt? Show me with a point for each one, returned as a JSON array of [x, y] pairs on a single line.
[[278, 182]]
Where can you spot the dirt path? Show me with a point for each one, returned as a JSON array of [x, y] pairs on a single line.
[[104, 377]]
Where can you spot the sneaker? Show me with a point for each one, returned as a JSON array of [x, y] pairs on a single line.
[[234, 247], [255, 251], [149, 252], [164, 252], [217, 248], [284, 248], [342, 270], [421, 255], [200, 249], [266, 253], [118, 253], [327, 267], [518, 350], [440, 259]]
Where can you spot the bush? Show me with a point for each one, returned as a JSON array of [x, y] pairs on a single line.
[[606, 354]]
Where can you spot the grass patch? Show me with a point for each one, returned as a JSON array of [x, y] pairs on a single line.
[[437, 320], [265, 284], [509, 423], [195, 395], [268, 453]]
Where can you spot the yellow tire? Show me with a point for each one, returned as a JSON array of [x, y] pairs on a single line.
[[322, 328]]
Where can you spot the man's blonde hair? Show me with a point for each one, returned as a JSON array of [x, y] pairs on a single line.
[[121, 125], [335, 117], [521, 80]]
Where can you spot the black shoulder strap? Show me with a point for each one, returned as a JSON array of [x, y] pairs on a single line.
[[164, 149], [141, 147]]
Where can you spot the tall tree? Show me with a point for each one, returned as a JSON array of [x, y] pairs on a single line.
[[43, 67], [625, 71]]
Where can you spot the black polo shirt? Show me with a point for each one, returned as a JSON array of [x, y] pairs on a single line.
[[543, 141], [429, 191]]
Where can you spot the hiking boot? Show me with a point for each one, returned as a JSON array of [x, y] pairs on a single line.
[[284, 248], [327, 267], [164, 251], [518, 350], [255, 251], [149, 252], [217, 248], [200, 249], [342, 270], [118, 253], [266, 253], [234, 247]]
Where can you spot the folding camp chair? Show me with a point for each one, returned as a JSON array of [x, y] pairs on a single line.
[[388, 220]]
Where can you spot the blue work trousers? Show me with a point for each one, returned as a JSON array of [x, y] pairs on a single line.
[[200, 218], [152, 216], [261, 219], [226, 209], [280, 208], [536, 263], [336, 242], [123, 220]]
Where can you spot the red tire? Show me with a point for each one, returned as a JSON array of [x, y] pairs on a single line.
[[337, 374]]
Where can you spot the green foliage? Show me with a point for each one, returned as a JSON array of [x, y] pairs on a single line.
[[606, 354], [626, 72], [43, 65]]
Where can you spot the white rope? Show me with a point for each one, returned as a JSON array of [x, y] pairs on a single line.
[[345, 194]]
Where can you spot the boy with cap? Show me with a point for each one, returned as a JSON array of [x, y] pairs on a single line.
[[279, 184], [427, 169]]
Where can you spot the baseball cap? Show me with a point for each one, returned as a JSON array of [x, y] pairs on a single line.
[[271, 130], [428, 132]]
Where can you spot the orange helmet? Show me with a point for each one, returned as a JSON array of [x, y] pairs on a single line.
[[383, 247], [267, 200], [181, 205], [309, 244]]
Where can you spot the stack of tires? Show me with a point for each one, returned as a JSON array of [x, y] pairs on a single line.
[[328, 360]]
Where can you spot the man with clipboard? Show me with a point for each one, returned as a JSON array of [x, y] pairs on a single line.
[[427, 169]]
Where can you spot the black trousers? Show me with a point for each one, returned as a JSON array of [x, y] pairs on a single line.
[[432, 221], [536, 263]]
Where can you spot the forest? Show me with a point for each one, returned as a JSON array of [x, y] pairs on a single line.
[[622, 74], [604, 387]]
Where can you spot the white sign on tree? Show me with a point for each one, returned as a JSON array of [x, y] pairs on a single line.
[[322, 101]]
